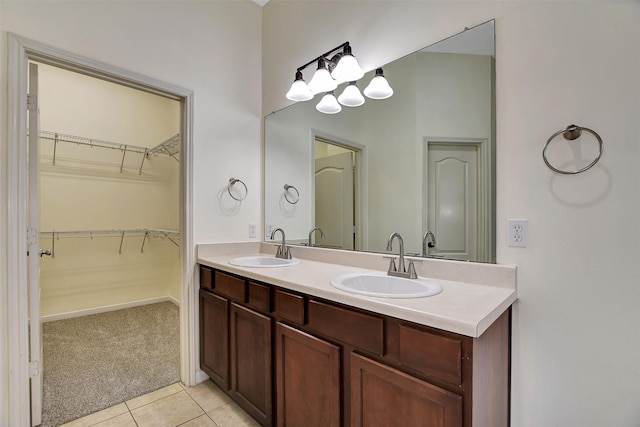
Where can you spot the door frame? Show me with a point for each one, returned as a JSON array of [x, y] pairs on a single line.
[[485, 189], [20, 51], [361, 207]]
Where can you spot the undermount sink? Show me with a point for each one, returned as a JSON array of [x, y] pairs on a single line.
[[383, 285], [263, 261]]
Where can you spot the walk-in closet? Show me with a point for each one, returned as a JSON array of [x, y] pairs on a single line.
[[109, 184]]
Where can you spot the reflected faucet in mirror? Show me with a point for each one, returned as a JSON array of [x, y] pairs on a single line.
[[400, 271], [283, 250], [428, 241], [311, 234]]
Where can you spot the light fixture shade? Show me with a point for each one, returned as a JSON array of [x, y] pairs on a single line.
[[351, 96], [347, 69], [378, 87], [322, 80], [299, 90], [329, 104]]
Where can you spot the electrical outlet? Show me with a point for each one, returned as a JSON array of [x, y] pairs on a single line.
[[252, 230], [518, 232], [268, 229]]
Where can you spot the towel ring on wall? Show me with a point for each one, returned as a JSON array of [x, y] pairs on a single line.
[[571, 133], [286, 192], [232, 182]]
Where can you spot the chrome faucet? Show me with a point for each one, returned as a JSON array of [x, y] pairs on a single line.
[[428, 243], [400, 271], [283, 251], [311, 234]]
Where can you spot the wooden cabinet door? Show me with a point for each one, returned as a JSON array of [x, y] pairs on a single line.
[[251, 362], [383, 396], [307, 379], [214, 338]]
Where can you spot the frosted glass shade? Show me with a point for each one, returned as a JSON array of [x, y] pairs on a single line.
[[322, 80], [329, 104], [299, 90], [347, 70], [351, 96], [378, 88]]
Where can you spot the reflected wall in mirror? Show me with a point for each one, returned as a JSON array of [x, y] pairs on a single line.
[[422, 160]]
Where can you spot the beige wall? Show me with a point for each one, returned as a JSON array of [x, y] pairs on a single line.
[[576, 349], [85, 190]]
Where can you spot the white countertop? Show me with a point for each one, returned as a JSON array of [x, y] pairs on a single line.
[[465, 308]]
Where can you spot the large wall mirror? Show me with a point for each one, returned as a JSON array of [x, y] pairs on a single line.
[[420, 161]]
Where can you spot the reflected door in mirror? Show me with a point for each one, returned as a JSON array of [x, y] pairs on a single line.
[[334, 200], [453, 212]]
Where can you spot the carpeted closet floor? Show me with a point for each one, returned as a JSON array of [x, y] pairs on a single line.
[[94, 362]]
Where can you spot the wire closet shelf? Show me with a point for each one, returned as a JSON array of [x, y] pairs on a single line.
[[169, 147], [146, 233]]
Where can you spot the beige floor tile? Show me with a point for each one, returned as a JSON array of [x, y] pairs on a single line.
[[99, 416], [232, 415], [123, 420], [203, 421], [208, 395], [154, 395], [169, 411]]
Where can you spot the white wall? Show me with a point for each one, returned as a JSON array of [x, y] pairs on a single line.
[[576, 347], [213, 48]]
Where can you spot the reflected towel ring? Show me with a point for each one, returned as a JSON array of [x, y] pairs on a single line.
[[232, 182], [286, 191], [570, 133]]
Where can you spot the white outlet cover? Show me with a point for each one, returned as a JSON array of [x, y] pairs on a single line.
[[517, 233]]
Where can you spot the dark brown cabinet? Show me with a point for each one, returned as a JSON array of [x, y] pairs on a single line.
[[251, 362], [383, 396], [291, 359], [307, 379], [214, 338]]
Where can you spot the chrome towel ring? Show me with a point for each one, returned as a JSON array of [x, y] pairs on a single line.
[[288, 187], [571, 133], [232, 182]]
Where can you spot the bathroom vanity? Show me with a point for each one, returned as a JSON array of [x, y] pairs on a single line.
[[292, 350]]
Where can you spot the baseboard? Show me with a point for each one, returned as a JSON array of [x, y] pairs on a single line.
[[201, 376], [104, 309]]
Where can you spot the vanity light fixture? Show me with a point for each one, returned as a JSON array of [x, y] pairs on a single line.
[[329, 104], [331, 71], [322, 80], [378, 87], [351, 96], [299, 90], [347, 69]]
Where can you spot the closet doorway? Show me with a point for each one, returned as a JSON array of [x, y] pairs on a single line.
[[23, 240], [109, 214]]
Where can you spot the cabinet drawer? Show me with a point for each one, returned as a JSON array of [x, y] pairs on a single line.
[[229, 286], [259, 297], [434, 355], [364, 331], [206, 278], [289, 306]]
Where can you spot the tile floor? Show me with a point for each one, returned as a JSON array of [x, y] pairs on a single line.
[[201, 406]]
